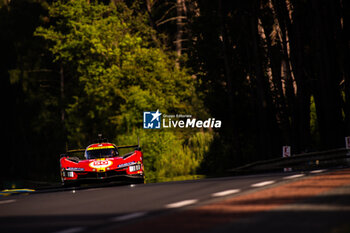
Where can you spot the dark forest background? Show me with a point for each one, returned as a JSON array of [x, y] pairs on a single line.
[[275, 72]]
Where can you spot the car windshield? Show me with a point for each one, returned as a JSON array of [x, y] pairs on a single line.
[[101, 153]]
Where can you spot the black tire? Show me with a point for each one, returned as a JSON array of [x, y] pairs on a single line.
[[70, 184]]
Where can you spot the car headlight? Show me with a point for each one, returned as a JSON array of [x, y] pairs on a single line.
[[134, 168], [70, 174]]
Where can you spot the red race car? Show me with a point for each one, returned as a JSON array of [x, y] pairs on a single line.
[[102, 161]]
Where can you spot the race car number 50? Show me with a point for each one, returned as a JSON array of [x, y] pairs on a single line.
[[100, 164]]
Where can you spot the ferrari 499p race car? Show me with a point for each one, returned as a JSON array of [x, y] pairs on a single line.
[[102, 161]]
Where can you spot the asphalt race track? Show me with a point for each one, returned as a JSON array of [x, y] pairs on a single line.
[[310, 201]]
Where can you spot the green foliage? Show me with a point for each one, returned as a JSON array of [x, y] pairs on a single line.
[[118, 73], [313, 121], [168, 155]]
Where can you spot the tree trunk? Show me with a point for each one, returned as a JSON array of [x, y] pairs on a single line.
[[301, 116], [179, 30], [345, 51], [227, 68], [264, 136], [328, 98], [62, 93]]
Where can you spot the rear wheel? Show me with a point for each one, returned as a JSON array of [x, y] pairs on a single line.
[[141, 179], [136, 180]]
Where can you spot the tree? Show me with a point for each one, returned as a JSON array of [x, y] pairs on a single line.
[[115, 71]]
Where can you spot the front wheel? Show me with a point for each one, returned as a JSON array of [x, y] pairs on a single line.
[[70, 184], [140, 181]]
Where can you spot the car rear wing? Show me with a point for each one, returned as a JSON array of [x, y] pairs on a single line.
[[137, 147], [76, 150], [72, 152]]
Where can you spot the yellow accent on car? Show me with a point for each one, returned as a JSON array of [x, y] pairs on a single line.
[[100, 147]]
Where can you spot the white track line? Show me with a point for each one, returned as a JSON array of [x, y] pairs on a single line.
[[225, 193], [264, 183], [128, 216], [71, 230], [317, 171], [7, 201], [181, 203], [293, 176]]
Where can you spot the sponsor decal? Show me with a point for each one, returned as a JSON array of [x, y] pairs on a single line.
[[75, 169], [126, 164], [100, 164], [152, 120]]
